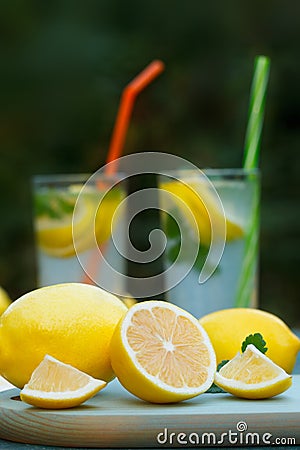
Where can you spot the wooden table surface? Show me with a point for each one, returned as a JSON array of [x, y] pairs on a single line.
[[8, 445]]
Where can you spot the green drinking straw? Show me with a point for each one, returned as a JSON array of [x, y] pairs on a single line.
[[251, 155], [256, 111]]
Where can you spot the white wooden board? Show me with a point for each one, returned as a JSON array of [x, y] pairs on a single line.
[[114, 418]]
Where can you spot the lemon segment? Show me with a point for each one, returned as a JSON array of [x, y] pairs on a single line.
[[228, 328], [253, 375], [69, 233], [55, 385], [73, 322], [202, 204], [161, 354], [55, 235], [5, 300]]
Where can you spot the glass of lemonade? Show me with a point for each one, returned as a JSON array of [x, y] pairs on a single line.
[[233, 282], [78, 247]]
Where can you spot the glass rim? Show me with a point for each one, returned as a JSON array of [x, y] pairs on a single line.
[[72, 177], [216, 172], [231, 171]]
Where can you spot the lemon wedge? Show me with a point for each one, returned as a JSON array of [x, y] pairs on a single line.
[[253, 375], [161, 354], [55, 385]]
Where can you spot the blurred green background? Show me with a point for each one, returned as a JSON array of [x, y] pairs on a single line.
[[64, 65]]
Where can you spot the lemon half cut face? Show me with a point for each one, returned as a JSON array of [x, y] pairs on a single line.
[[161, 354]]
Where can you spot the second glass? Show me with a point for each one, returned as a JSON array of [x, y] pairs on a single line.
[[233, 283]]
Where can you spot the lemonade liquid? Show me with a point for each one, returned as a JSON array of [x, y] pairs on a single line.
[[239, 195]]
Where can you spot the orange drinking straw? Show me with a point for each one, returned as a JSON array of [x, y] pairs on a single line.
[[128, 97]]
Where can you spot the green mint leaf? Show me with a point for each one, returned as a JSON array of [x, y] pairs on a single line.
[[221, 364], [214, 389], [257, 340], [172, 228], [54, 204]]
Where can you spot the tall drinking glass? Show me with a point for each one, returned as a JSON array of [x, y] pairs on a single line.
[[189, 213], [73, 222]]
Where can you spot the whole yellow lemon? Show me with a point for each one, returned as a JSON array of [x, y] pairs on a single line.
[[228, 328], [5, 300], [72, 322]]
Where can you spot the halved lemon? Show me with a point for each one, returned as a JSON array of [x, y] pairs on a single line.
[[253, 375], [161, 353], [55, 385]]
